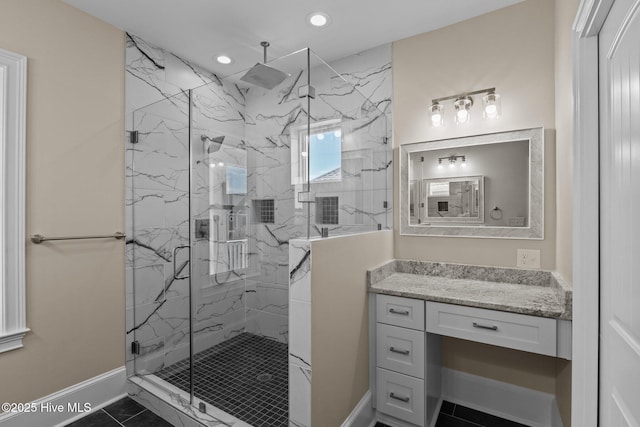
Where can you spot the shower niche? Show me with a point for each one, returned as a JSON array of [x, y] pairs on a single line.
[[220, 178]]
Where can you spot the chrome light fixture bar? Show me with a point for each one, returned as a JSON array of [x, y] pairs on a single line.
[[451, 161], [462, 105]]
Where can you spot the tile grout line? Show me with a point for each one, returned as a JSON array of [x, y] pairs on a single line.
[[133, 416], [110, 416]]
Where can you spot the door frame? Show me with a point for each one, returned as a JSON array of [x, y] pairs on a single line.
[[586, 253]]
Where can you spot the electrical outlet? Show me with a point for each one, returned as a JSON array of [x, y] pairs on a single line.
[[528, 258]]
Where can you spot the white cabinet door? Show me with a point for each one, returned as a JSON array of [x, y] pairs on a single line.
[[619, 60]]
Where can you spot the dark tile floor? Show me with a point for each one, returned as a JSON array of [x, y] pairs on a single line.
[[452, 415], [125, 412]]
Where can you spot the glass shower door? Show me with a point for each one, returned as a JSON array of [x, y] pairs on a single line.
[[158, 244]]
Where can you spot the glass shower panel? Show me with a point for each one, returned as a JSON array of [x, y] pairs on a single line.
[[219, 212], [158, 240], [349, 157], [276, 120], [243, 213], [220, 179]]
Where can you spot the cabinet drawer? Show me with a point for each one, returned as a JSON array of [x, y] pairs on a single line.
[[518, 331], [400, 349], [398, 311], [400, 396]]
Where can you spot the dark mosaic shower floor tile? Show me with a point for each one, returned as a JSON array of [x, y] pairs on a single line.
[[246, 376]]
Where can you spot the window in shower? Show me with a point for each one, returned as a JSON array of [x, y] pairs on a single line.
[[317, 157]]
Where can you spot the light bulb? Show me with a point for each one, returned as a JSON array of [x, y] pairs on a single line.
[[463, 163], [221, 164], [462, 115], [320, 136], [462, 106], [436, 115], [337, 133], [303, 154], [452, 163], [492, 107], [440, 165]]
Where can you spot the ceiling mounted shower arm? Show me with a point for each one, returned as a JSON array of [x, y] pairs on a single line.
[[264, 45]]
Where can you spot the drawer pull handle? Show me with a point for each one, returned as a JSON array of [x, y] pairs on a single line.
[[404, 399], [403, 312], [479, 326], [399, 351]]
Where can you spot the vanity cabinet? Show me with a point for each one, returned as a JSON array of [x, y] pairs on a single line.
[[404, 382], [406, 334]]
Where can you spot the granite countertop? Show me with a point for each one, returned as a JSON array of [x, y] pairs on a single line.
[[532, 292]]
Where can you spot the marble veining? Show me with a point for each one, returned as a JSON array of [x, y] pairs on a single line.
[[533, 292], [256, 130]]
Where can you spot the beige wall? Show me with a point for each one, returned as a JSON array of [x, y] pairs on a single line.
[[565, 12], [502, 364], [75, 185], [524, 51], [340, 319], [511, 49]]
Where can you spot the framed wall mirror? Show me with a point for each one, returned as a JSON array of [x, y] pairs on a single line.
[[478, 186]]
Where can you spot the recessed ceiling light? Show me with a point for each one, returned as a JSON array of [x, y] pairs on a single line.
[[223, 59], [318, 19]]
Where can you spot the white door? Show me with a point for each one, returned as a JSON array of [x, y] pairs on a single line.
[[619, 62]]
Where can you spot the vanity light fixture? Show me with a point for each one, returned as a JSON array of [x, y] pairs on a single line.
[[453, 159], [462, 104]]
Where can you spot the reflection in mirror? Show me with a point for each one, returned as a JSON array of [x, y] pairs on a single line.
[[450, 200], [485, 186]]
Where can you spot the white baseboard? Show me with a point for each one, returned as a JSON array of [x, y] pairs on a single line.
[[59, 408], [362, 415], [519, 404]]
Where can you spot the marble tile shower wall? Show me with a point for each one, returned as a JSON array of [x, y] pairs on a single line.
[[276, 118], [158, 206], [259, 129]]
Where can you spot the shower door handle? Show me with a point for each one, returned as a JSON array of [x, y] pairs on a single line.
[[175, 271]]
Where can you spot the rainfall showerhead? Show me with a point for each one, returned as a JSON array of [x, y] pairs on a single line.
[[214, 143], [262, 75]]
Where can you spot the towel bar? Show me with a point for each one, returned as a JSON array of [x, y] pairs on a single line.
[[39, 238]]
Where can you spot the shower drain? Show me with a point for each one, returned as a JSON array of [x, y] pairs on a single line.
[[264, 377]]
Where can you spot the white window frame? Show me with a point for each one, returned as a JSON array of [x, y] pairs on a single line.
[[300, 143], [13, 101]]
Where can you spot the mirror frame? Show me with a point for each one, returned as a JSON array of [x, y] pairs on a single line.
[[535, 229]]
